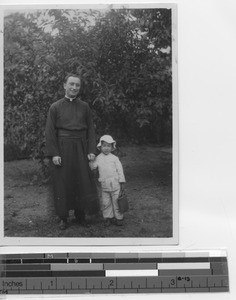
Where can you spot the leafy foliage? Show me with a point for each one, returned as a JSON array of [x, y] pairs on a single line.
[[124, 57]]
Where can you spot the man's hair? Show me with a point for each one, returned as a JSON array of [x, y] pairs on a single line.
[[71, 75]]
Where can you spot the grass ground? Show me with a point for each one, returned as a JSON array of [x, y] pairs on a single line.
[[28, 210]]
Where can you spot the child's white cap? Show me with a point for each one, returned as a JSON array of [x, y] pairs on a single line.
[[107, 139]]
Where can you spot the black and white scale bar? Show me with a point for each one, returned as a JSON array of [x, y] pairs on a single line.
[[101, 270], [39, 258], [114, 272]]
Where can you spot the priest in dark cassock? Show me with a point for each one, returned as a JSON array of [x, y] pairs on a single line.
[[71, 144]]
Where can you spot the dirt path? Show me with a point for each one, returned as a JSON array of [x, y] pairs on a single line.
[[27, 202]]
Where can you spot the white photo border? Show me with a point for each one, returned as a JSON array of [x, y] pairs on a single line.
[[174, 240]]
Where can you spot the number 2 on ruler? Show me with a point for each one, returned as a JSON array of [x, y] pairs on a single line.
[[111, 283]]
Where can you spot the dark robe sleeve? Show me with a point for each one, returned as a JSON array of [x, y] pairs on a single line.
[[90, 132], [50, 133]]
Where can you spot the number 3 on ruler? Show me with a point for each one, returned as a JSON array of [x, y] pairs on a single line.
[[172, 282]]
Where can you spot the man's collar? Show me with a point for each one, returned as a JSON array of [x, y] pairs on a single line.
[[71, 99]]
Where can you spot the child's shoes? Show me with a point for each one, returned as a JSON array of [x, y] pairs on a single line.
[[113, 221], [107, 222], [119, 222]]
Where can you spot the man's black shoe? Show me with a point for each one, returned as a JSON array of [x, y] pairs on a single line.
[[81, 222], [62, 225]]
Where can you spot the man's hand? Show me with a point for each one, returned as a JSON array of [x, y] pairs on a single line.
[[56, 160], [91, 156]]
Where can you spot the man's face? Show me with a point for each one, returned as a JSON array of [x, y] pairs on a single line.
[[72, 87]]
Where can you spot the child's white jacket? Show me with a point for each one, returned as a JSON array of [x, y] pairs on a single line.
[[110, 171]]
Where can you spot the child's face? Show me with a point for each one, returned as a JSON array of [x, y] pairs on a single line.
[[106, 148]]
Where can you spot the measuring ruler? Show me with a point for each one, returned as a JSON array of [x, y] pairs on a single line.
[[78, 273]]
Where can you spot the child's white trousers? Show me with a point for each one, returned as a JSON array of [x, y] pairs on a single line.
[[109, 205]]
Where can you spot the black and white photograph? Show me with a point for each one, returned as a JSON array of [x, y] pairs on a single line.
[[90, 125]]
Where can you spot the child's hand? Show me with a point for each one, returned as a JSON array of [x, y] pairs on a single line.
[[91, 157], [91, 165]]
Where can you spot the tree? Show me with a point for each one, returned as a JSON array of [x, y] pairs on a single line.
[[137, 71], [124, 57]]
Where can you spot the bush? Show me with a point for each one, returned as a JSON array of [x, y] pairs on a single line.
[[127, 75], [13, 152]]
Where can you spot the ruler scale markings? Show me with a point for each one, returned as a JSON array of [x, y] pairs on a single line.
[[216, 280], [138, 282], [190, 273], [154, 282], [184, 282]]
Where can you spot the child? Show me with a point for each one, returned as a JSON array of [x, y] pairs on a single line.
[[112, 180]]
